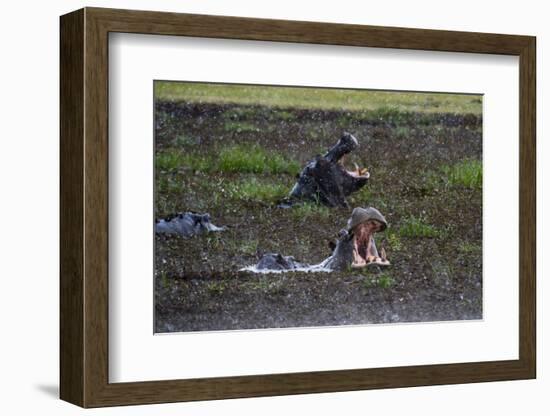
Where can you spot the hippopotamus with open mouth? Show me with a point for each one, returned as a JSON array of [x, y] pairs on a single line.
[[355, 247], [326, 180], [186, 224]]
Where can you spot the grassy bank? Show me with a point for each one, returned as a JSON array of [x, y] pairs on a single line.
[[318, 98]]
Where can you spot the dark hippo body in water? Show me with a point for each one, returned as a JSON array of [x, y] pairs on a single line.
[[325, 179], [186, 224], [355, 248], [276, 261]]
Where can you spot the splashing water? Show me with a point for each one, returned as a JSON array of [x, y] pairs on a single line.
[[314, 268]]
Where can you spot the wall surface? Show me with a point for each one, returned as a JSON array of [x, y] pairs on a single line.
[[29, 210]]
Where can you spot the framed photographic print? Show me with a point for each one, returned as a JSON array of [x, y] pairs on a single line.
[[255, 207]]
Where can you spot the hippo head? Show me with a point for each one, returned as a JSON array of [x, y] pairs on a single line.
[[326, 180], [356, 247]]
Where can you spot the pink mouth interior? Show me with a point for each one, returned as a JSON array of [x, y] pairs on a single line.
[[363, 253], [357, 172]]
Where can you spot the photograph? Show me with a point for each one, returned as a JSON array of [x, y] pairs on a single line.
[[285, 206], [294, 206]]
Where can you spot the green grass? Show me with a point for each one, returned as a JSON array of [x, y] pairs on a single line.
[[433, 181], [239, 113], [168, 161], [172, 160], [393, 239], [254, 189], [217, 287], [265, 285], [383, 281], [414, 227], [167, 184], [465, 174], [248, 247], [309, 210], [285, 115], [255, 159], [240, 127], [369, 196], [403, 132], [468, 173], [214, 241], [164, 279], [390, 102], [233, 159], [465, 247], [362, 196], [165, 206], [182, 140]]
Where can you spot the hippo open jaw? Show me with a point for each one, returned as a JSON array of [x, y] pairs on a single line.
[[365, 253], [326, 180], [347, 144], [357, 173]]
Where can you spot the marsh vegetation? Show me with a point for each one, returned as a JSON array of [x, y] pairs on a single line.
[[235, 153]]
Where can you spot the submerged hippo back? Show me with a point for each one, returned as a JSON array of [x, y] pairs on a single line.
[[186, 224], [276, 261]]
